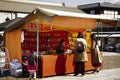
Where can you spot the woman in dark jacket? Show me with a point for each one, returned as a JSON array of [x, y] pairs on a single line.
[[60, 47]]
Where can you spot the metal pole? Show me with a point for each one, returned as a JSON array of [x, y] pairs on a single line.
[[98, 23], [37, 33]]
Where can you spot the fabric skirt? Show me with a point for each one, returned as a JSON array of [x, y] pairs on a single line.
[[97, 65]]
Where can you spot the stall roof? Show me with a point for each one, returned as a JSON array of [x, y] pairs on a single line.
[[63, 11], [7, 24], [41, 11], [2, 25], [30, 6], [74, 14]]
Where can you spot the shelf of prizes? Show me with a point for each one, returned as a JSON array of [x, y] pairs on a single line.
[[50, 63]]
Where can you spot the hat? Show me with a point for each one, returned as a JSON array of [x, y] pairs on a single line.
[[80, 35]]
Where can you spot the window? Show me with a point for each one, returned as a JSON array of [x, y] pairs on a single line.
[[111, 13], [92, 11]]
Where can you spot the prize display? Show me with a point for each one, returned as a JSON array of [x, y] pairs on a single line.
[[72, 38], [47, 40]]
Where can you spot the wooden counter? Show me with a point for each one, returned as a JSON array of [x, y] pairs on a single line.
[[50, 65]]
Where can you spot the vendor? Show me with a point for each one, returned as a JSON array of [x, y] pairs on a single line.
[[60, 47]]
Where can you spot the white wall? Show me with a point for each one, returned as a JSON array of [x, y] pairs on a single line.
[[4, 15]]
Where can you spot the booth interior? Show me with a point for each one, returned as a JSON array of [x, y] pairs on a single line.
[[49, 62], [40, 32]]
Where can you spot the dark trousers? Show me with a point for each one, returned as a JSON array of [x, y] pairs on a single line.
[[77, 68]]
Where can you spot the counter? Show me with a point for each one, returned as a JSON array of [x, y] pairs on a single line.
[[50, 65]]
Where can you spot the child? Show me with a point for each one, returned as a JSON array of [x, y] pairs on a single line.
[[32, 67]]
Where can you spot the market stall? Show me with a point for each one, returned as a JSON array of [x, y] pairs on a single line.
[[40, 32]]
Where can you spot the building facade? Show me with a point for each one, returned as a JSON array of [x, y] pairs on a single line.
[[109, 34], [104, 9]]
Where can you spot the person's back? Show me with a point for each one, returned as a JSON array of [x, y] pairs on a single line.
[[32, 67], [80, 56], [80, 47]]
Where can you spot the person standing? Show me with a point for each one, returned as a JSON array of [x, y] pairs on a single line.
[[80, 56], [60, 47], [95, 54], [32, 67]]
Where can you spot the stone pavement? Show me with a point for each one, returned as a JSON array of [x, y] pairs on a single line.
[[108, 74], [111, 60]]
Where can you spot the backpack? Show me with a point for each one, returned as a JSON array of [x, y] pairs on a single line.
[[80, 48]]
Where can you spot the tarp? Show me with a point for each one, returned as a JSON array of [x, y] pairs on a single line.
[[60, 23], [73, 24]]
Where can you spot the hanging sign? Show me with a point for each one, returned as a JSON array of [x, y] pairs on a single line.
[[31, 25], [44, 27]]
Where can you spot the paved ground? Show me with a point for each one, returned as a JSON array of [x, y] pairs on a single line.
[[109, 74], [113, 73], [111, 60], [111, 54]]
